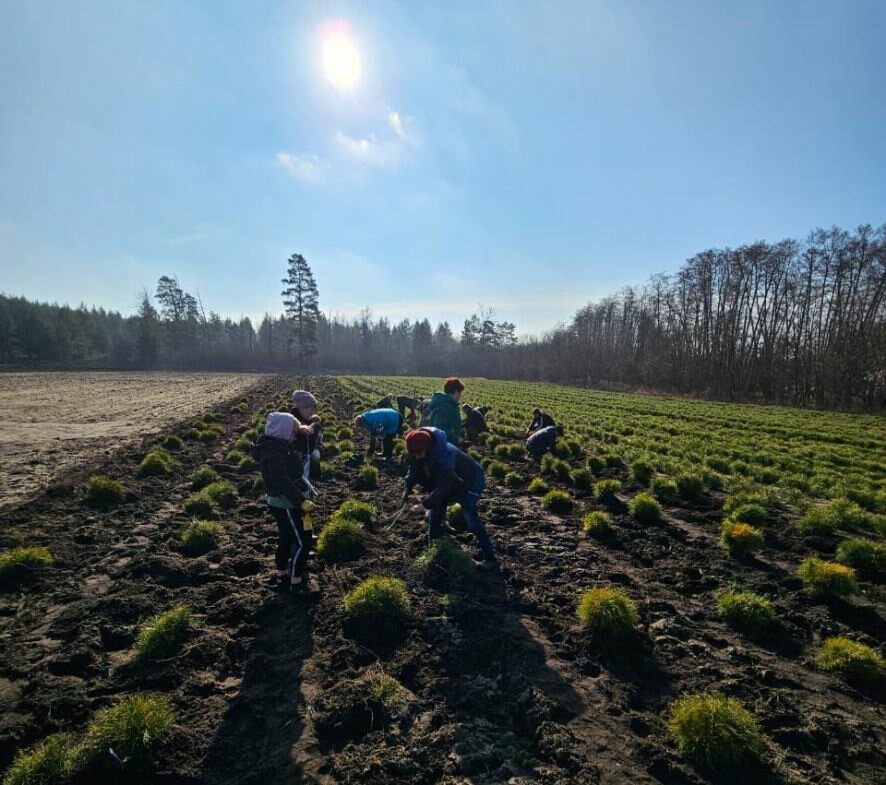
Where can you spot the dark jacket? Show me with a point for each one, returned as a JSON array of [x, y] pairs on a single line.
[[443, 413], [445, 471], [281, 468], [542, 440], [475, 421], [384, 403], [541, 420]]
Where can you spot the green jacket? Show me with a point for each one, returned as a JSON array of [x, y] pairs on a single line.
[[445, 415]]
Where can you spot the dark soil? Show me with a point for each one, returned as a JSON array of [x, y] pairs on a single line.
[[501, 685]]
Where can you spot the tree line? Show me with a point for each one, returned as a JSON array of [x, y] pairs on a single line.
[[791, 322]]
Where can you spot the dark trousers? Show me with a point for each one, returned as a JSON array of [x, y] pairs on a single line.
[[468, 504], [387, 445], [292, 543]]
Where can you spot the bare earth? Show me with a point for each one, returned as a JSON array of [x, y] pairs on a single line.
[[48, 420]]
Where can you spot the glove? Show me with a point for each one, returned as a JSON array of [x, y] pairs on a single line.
[[406, 491], [307, 520], [307, 505]]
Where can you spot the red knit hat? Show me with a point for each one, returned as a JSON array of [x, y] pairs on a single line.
[[452, 384], [418, 440]]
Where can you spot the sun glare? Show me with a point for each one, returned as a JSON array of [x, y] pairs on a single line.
[[341, 61]]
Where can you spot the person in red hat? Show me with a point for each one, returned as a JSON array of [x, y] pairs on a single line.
[[450, 476]]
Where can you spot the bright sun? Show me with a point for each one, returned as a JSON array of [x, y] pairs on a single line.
[[341, 61]]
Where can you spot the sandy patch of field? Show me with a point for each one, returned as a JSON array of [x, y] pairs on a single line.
[[49, 420]]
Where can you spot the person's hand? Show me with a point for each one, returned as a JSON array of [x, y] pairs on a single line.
[[417, 508], [305, 430]]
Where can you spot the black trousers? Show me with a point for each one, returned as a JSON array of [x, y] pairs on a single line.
[[387, 445], [292, 542]]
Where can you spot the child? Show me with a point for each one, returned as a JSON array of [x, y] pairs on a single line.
[[288, 496], [310, 436]]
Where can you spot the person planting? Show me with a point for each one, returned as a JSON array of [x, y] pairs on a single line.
[[540, 419], [289, 495], [449, 476], [404, 402], [474, 422], [382, 424], [544, 440], [443, 412]]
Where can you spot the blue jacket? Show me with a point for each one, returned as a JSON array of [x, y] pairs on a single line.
[[446, 471], [383, 422], [542, 440]]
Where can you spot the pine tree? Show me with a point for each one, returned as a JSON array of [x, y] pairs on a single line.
[[147, 340], [301, 300]]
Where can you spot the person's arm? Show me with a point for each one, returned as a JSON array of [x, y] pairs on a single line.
[[445, 483]]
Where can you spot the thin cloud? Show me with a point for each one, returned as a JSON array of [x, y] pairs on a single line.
[[184, 239], [369, 150], [305, 168], [395, 121]]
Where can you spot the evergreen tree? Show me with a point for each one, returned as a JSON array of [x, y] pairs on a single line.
[[301, 300], [147, 340]]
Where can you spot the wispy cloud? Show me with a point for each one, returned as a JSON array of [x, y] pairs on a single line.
[[369, 150], [305, 168], [396, 122]]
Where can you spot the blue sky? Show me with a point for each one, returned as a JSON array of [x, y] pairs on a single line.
[[529, 156]]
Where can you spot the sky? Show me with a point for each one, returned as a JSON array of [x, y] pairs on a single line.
[[526, 156]]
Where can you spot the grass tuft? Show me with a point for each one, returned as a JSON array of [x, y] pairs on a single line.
[[754, 514], [199, 537], [715, 729], [538, 486], [341, 539], [367, 478], [664, 489], [745, 611], [582, 479], [605, 490], [162, 635], [597, 524], [199, 505], [607, 610], [102, 491], [866, 556], [644, 508], [354, 510], [221, 493], [514, 479], [20, 563], [172, 442], [740, 539], [825, 579], [203, 477], [557, 501], [130, 727], [155, 464], [447, 556], [690, 486], [851, 660], [379, 603], [642, 471], [49, 762]]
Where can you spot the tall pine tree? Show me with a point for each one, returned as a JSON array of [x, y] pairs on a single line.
[[301, 298]]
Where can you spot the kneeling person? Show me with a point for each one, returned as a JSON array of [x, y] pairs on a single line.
[[543, 440], [450, 476], [475, 421], [382, 424]]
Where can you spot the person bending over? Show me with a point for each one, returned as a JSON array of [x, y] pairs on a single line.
[[540, 419], [384, 424], [443, 412], [543, 440], [474, 422]]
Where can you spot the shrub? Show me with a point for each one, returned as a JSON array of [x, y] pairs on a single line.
[[826, 579], [207, 435], [367, 478], [455, 517], [605, 490], [866, 556], [719, 465], [613, 461], [846, 514], [509, 451], [815, 523], [597, 524], [642, 471], [200, 536], [355, 510], [574, 447], [608, 611], [715, 729], [161, 636], [690, 486], [193, 434], [49, 762], [712, 480], [203, 477], [740, 539], [447, 556], [20, 563], [102, 491], [155, 463], [644, 508], [850, 659], [514, 479], [557, 501], [538, 487], [754, 514], [664, 489], [377, 601], [172, 442], [344, 433], [130, 727], [346, 445], [582, 479], [498, 469], [199, 505], [341, 539], [235, 456], [221, 493], [745, 611], [596, 465]]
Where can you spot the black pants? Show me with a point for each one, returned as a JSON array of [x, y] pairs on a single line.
[[387, 445], [292, 542]]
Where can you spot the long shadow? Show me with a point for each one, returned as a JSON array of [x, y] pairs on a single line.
[[254, 743]]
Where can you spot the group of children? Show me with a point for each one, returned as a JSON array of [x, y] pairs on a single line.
[[289, 451]]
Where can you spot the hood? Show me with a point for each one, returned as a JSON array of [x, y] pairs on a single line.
[[441, 399], [280, 425]]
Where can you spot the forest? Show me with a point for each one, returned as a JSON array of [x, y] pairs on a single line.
[[794, 322]]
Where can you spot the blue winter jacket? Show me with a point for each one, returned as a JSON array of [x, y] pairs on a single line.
[[447, 472], [383, 422]]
